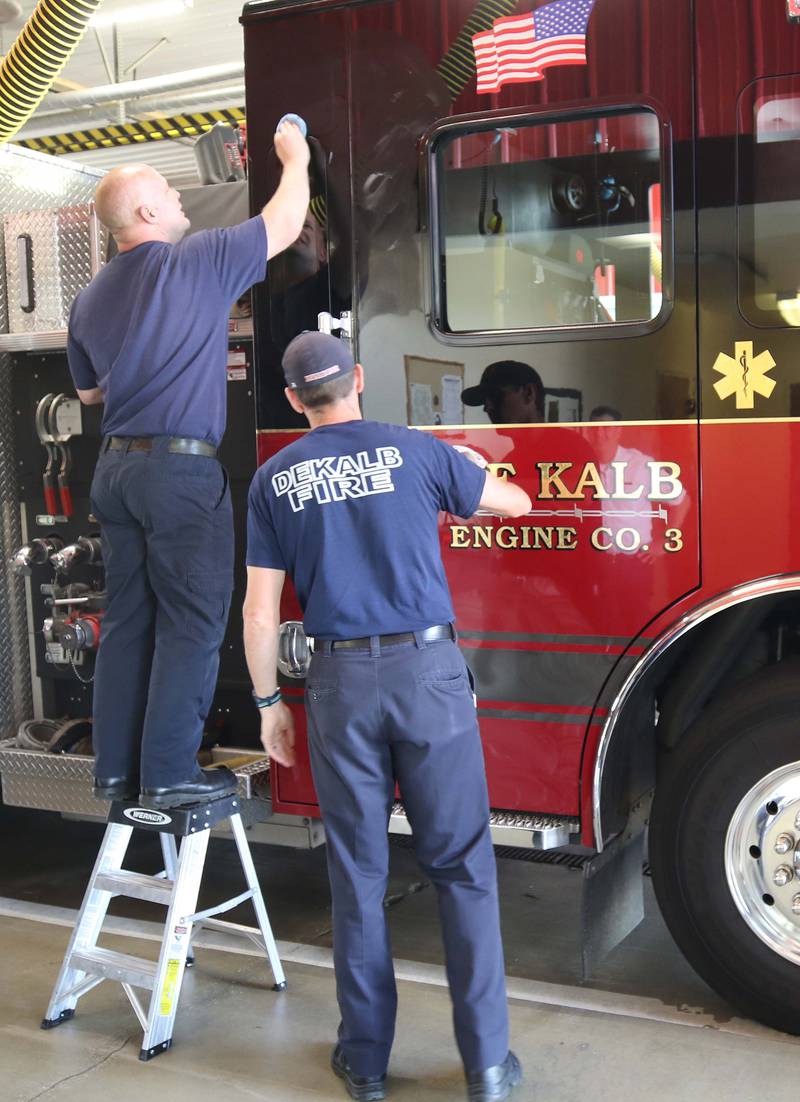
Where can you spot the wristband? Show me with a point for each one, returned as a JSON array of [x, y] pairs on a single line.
[[267, 701]]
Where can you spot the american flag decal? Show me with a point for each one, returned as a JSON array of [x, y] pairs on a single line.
[[520, 47]]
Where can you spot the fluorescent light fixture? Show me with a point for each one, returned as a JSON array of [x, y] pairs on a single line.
[[138, 13]]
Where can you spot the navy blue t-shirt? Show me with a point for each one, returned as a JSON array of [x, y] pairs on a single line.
[[151, 330], [350, 512]]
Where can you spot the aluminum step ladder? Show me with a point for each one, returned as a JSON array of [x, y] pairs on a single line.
[[86, 964]]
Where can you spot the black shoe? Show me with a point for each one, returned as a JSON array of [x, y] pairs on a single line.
[[365, 1088], [207, 784], [115, 788], [495, 1083]]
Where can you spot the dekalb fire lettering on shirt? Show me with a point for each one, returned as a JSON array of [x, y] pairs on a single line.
[[360, 567], [337, 477]]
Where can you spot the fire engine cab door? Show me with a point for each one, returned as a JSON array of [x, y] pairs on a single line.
[[748, 146], [552, 226], [562, 239]]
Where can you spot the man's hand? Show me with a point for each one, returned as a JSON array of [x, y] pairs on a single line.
[[472, 455], [277, 733], [290, 145]]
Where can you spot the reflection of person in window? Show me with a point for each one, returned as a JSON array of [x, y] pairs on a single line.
[[511, 393], [303, 282], [315, 272], [605, 413]]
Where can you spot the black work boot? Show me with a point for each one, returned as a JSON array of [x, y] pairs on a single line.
[[115, 788], [206, 784], [364, 1088], [495, 1083]]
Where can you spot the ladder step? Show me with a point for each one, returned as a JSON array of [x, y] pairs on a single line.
[[135, 884], [116, 966]]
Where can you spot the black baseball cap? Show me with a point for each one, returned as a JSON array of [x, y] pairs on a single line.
[[315, 358], [499, 374]]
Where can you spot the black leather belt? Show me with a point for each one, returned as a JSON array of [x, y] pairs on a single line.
[[427, 635], [183, 445]]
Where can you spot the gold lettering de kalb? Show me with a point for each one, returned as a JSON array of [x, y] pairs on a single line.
[[621, 510]]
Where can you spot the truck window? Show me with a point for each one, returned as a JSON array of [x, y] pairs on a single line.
[[549, 224], [768, 201]]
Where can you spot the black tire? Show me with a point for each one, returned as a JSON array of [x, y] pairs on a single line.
[[739, 740]]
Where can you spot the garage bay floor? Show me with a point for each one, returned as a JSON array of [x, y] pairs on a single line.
[[644, 1027]]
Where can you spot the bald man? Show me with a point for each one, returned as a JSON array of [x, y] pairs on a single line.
[[148, 339]]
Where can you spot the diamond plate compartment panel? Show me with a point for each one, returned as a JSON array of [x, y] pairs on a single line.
[[40, 188], [50, 255], [63, 782], [28, 181], [51, 204], [50, 782]]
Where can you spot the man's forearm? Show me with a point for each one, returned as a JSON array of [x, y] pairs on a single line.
[[285, 213], [261, 653]]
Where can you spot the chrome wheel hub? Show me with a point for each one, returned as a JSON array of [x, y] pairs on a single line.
[[762, 860]]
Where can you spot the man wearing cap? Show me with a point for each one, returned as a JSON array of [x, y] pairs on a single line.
[[350, 512], [148, 339], [511, 393]]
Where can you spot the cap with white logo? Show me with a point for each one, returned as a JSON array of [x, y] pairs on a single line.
[[314, 358]]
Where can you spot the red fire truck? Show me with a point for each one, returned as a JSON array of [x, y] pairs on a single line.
[[607, 191]]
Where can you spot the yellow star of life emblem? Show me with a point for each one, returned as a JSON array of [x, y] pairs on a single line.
[[745, 375]]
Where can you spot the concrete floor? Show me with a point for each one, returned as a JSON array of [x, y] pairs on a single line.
[[644, 1027]]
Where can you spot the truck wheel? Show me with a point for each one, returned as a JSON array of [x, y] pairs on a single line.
[[725, 846]]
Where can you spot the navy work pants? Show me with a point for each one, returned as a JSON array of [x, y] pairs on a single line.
[[405, 714], [167, 529]]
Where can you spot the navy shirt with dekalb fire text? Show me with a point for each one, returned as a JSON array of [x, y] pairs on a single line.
[[151, 331], [350, 512]]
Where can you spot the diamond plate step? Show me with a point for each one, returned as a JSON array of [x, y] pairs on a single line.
[[63, 782], [511, 828]]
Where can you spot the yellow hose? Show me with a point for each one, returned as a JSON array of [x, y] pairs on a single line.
[[656, 262], [457, 67], [43, 47]]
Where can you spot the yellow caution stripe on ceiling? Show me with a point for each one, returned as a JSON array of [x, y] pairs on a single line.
[[134, 133]]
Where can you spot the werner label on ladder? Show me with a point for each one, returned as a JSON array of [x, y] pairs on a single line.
[[86, 964]]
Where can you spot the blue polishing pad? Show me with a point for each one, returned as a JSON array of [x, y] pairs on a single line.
[[299, 123]]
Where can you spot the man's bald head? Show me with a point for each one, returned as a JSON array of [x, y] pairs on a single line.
[[135, 203], [120, 194]]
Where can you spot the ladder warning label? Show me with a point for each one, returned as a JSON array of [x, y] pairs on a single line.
[[170, 982]]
